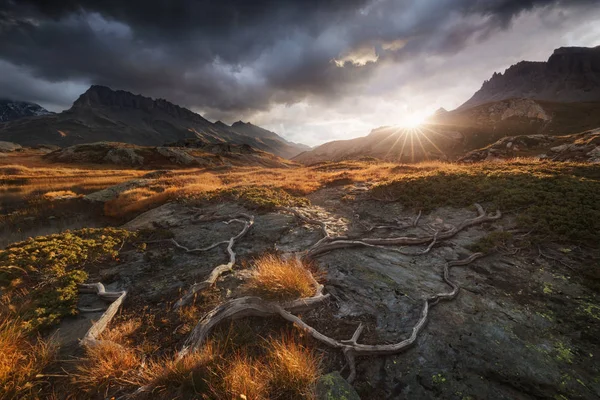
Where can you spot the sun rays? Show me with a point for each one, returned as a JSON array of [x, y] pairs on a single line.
[[418, 141]]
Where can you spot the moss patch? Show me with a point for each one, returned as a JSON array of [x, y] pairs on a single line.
[[261, 198], [557, 201], [39, 277]]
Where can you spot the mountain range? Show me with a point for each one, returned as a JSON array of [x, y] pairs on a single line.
[[557, 97], [560, 96], [103, 114]]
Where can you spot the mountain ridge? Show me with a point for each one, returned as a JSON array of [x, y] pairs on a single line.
[[104, 114], [11, 110], [571, 74]]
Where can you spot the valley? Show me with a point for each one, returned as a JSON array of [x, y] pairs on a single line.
[[388, 234], [150, 250]]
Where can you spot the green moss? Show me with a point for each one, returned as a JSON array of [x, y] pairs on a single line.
[[438, 379], [39, 277], [591, 310], [548, 315], [261, 198], [557, 201], [563, 353], [548, 288]]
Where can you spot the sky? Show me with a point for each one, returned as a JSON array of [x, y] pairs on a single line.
[[310, 70]]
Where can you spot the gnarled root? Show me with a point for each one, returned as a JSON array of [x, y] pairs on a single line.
[[117, 298], [324, 246], [255, 306], [220, 269]]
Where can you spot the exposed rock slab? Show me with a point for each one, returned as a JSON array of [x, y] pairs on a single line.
[[112, 192]]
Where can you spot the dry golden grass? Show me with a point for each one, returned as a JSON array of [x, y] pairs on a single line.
[[293, 368], [279, 367], [245, 378], [276, 278], [194, 373], [60, 194], [26, 181], [21, 360], [138, 200], [108, 368]]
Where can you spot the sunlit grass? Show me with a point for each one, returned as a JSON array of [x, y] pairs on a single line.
[[294, 368], [22, 360], [276, 278]]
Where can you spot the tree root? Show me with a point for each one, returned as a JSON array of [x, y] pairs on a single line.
[[117, 298], [220, 269], [327, 244], [255, 306]]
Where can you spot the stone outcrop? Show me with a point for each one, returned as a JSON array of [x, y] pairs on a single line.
[[7, 147], [571, 74], [112, 192], [578, 147]]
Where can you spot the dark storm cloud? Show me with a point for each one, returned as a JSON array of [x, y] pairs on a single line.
[[238, 55]]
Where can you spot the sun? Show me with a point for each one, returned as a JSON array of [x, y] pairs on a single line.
[[414, 120]]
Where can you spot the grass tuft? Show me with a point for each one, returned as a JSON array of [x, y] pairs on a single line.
[[194, 373], [22, 360], [294, 368], [245, 378], [276, 278], [108, 368]]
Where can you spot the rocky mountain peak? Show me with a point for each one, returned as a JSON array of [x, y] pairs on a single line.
[[11, 110], [98, 96], [571, 74]]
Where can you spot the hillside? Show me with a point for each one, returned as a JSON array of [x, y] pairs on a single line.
[[557, 97], [450, 135], [103, 114], [152, 157], [571, 74], [583, 147]]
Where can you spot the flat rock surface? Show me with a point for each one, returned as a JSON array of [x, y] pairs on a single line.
[[522, 326]]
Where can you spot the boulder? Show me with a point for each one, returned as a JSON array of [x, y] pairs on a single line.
[[7, 147], [333, 387], [113, 192]]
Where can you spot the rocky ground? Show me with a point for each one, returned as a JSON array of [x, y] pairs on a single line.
[[525, 324], [578, 147]]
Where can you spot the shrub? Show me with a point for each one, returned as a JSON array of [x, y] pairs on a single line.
[[558, 201], [39, 276], [261, 198]]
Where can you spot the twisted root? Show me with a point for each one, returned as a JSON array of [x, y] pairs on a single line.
[[220, 269], [255, 306], [117, 298], [328, 244]]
